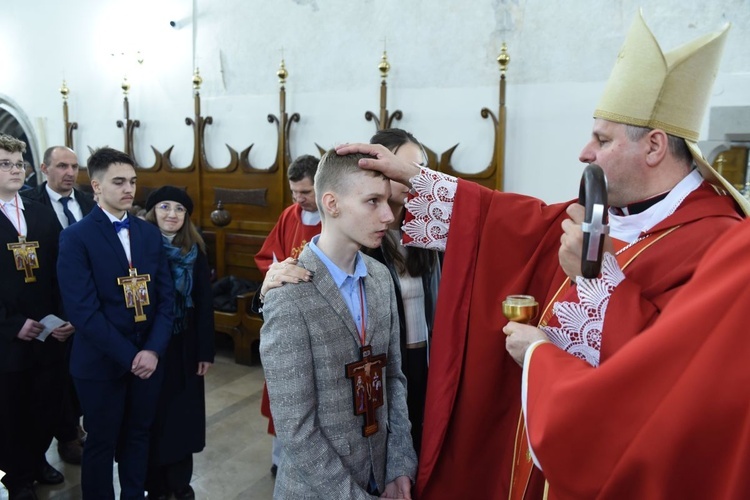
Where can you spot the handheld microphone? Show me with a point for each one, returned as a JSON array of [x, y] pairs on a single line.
[[593, 196]]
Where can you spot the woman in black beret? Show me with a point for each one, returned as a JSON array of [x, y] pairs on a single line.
[[179, 429]]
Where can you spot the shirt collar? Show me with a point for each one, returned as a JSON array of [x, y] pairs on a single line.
[[54, 195], [12, 203], [338, 275], [628, 228], [112, 218], [310, 218], [639, 206]]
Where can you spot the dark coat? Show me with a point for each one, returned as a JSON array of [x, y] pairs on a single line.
[[40, 195], [20, 300], [180, 425], [32, 180]]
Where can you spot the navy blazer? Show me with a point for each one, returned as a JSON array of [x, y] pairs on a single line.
[[91, 259], [40, 194]]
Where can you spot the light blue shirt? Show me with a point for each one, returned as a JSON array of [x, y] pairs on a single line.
[[348, 284]]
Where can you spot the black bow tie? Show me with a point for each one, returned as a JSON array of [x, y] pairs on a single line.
[[121, 225]]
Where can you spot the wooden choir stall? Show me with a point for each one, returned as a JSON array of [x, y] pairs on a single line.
[[237, 205]]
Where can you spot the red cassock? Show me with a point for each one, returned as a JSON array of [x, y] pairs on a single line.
[[667, 416], [287, 238], [502, 244]]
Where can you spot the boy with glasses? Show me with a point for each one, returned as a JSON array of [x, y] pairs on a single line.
[[31, 357]]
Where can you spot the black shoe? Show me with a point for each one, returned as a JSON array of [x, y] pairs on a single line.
[[157, 496], [274, 470], [70, 452], [185, 493], [25, 492], [49, 475]]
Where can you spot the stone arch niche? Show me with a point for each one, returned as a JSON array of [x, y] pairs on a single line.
[[14, 122]]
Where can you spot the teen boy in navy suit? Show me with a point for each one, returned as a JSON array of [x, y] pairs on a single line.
[[117, 291]]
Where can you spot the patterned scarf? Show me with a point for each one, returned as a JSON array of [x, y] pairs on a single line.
[[182, 274]]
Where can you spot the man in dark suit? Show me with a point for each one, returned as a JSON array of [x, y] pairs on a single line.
[[60, 165], [31, 371], [105, 258]]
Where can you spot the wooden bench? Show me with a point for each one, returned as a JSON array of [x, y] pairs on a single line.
[[234, 253]]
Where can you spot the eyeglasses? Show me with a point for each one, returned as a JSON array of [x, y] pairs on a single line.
[[166, 207], [7, 165]]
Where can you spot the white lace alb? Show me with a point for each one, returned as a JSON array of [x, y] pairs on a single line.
[[432, 208], [580, 330]]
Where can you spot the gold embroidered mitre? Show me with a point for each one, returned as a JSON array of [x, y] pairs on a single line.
[[668, 91], [649, 88]]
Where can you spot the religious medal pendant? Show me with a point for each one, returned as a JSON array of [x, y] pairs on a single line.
[[367, 387], [24, 255], [135, 290]]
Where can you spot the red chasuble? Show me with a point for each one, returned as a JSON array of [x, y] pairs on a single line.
[[502, 244], [667, 415], [287, 238]]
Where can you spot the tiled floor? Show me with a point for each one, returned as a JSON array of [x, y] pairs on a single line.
[[237, 458]]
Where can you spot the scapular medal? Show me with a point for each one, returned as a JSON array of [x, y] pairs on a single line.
[[367, 386], [24, 255], [135, 291]]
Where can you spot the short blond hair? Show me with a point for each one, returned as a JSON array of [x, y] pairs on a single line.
[[335, 174], [11, 144]]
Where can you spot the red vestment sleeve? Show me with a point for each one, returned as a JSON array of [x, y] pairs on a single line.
[[666, 416], [498, 244]]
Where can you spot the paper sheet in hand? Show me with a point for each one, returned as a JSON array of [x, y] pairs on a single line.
[[50, 322]]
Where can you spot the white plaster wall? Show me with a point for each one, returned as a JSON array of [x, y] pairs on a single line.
[[442, 54]]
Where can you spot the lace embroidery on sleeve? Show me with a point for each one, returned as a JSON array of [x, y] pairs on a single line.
[[580, 331], [432, 208]]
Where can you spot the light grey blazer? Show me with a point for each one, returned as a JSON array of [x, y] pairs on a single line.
[[308, 337]]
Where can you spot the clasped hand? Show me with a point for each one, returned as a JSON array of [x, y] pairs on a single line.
[[398, 488], [31, 330], [62, 332], [144, 364]]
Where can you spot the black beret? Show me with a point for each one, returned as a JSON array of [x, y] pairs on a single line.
[[170, 193]]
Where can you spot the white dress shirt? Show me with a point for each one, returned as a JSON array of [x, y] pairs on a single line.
[[73, 206]]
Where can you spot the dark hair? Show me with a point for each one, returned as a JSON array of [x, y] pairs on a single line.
[[50, 151], [394, 138], [418, 261], [186, 237], [101, 159], [303, 166]]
